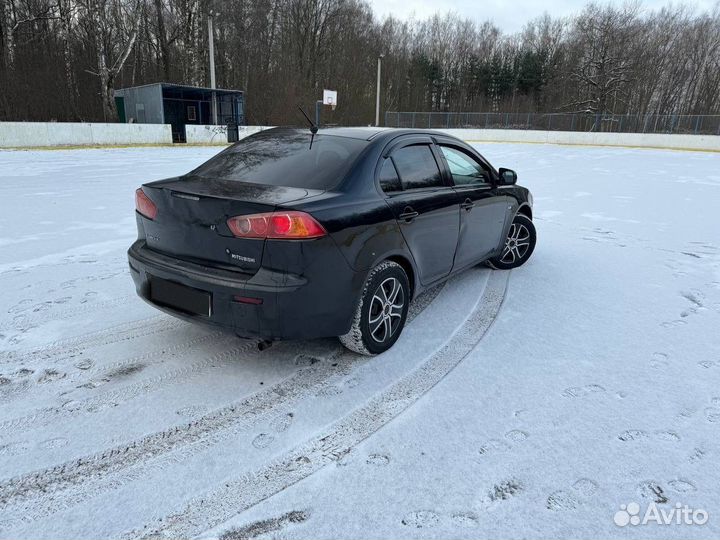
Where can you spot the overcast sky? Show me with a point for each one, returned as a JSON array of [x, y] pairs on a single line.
[[508, 15]]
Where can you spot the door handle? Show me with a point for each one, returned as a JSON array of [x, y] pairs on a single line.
[[408, 214], [467, 205]]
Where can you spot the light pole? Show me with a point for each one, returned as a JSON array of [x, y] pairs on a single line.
[[377, 97], [211, 50]]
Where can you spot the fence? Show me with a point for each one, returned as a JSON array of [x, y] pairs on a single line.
[[617, 123]]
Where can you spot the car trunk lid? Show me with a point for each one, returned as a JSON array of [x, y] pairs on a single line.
[[191, 221]]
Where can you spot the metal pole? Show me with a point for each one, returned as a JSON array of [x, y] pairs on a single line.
[[211, 50], [318, 107], [377, 96]]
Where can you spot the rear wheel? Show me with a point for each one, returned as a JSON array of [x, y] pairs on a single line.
[[519, 244], [382, 311]]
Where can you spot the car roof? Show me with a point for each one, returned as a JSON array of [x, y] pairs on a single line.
[[370, 133], [377, 133]]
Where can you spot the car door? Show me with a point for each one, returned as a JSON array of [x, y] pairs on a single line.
[[424, 205], [482, 209]]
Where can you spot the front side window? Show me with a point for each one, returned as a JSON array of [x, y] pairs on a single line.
[[464, 169], [417, 167]]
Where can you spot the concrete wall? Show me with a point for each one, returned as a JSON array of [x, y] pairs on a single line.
[[216, 134], [34, 134], [37, 134], [640, 140]]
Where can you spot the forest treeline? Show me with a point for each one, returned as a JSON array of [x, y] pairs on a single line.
[[62, 59]]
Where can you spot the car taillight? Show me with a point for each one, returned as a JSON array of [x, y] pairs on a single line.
[[276, 225], [144, 205]]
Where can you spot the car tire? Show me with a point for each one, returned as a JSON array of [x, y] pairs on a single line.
[[381, 312], [518, 246]]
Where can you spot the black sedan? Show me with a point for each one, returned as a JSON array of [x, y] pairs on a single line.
[[291, 234]]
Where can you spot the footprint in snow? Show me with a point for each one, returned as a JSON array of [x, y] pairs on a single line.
[[570, 499], [659, 360], [639, 435], [516, 435], [500, 492], [263, 441], [421, 519], [192, 410], [427, 519], [21, 306], [87, 363], [707, 364], [378, 460], [685, 414], [50, 444], [580, 391], [675, 323], [329, 391], [697, 455], [492, 446], [561, 500], [652, 491], [712, 414], [465, 520], [281, 423], [304, 360], [682, 486], [125, 371], [49, 375], [14, 448], [663, 435]]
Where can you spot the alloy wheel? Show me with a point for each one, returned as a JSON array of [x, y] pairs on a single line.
[[516, 244], [386, 308]]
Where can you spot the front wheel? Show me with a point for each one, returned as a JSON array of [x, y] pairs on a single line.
[[519, 244], [381, 313]]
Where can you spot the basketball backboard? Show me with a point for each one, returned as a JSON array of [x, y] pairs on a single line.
[[330, 98]]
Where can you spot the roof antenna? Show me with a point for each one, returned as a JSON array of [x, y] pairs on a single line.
[[313, 127]]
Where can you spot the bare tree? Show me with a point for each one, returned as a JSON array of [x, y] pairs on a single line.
[[62, 59]]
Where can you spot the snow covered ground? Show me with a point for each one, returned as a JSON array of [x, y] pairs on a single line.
[[528, 404]]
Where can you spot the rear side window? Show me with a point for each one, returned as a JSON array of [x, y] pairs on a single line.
[[417, 167], [389, 179], [285, 158]]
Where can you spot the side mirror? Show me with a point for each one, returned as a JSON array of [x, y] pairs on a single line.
[[508, 177]]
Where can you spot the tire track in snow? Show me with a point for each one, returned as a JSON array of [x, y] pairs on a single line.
[[182, 441], [237, 495], [71, 347], [65, 313], [45, 492], [112, 398], [48, 415]]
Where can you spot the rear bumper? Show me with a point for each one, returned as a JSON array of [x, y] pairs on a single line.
[[319, 303]]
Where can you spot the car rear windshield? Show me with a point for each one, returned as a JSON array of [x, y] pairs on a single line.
[[285, 158]]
